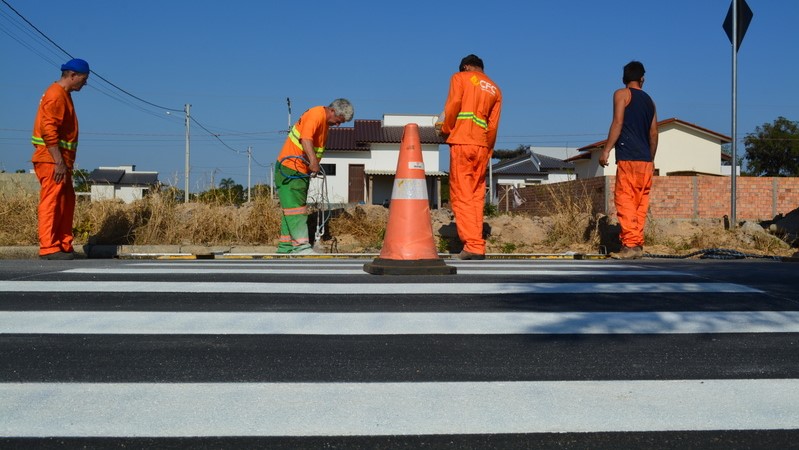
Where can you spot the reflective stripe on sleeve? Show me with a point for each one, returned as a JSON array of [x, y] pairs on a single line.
[[66, 145]]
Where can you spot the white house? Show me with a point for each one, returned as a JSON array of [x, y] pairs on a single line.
[[121, 182], [527, 169], [531, 168], [360, 161], [682, 148]]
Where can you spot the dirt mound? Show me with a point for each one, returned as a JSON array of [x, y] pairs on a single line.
[[787, 226], [361, 228]]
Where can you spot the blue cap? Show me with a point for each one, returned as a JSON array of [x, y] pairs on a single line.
[[76, 65]]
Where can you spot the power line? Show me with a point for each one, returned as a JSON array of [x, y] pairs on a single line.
[[215, 136], [92, 71]]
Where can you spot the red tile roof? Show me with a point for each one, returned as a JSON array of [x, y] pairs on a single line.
[[365, 132]]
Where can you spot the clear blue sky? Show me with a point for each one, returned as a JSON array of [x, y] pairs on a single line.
[[236, 62]]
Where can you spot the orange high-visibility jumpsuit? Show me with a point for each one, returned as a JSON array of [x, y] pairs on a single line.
[[471, 118], [56, 124]]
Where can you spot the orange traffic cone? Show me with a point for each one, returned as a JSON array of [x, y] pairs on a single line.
[[409, 247]]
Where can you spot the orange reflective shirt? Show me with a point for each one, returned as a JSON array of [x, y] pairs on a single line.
[[313, 126], [56, 124], [472, 110]]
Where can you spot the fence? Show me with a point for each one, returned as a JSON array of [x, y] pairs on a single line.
[[673, 197]]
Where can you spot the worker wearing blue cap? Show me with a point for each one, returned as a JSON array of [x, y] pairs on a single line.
[[55, 142]]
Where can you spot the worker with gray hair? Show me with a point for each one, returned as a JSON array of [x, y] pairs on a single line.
[[297, 163]]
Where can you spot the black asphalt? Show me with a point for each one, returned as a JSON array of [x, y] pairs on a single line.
[[32, 358]]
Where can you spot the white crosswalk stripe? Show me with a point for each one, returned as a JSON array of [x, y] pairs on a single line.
[[182, 307], [279, 409]]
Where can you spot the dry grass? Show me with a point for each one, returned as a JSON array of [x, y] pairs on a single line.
[[155, 220], [573, 221], [18, 224], [161, 220], [364, 224]]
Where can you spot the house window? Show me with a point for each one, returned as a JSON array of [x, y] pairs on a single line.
[[328, 169]]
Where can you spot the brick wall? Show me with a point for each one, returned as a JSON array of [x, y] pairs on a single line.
[[672, 197]]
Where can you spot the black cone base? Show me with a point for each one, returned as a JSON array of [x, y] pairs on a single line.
[[382, 266]]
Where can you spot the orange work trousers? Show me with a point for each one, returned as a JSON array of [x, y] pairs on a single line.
[[633, 183], [467, 191], [56, 210]]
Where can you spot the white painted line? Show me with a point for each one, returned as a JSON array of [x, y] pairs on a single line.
[[369, 409], [399, 323], [373, 288], [360, 271]]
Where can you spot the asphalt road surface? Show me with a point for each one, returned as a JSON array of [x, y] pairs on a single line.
[[316, 353]]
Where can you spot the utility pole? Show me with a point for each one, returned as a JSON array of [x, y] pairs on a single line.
[[249, 165], [186, 182], [272, 181]]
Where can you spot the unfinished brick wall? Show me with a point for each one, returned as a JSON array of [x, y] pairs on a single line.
[[672, 197], [547, 199]]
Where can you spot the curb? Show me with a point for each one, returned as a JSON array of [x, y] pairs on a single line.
[[196, 252]]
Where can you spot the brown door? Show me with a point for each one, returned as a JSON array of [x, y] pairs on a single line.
[[355, 191]]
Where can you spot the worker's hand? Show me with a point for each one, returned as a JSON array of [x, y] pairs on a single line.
[[314, 169], [439, 127], [60, 171], [603, 158]]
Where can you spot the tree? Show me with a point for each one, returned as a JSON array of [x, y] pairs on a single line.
[[80, 178], [226, 183], [228, 193], [507, 154], [261, 191], [773, 149]]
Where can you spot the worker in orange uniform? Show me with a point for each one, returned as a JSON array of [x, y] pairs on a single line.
[[55, 141], [471, 118], [634, 134], [297, 163]]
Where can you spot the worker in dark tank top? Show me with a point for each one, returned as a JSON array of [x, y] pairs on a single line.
[[634, 135]]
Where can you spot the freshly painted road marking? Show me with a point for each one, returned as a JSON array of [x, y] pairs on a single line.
[[368, 409], [395, 323], [324, 289]]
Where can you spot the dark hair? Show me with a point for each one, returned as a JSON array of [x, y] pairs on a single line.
[[471, 60], [633, 71]]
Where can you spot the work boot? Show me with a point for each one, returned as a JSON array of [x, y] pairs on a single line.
[[469, 255], [639, 250], [627, 253], [58, 256], [307, 251]]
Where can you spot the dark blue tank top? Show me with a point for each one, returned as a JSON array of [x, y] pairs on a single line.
[[633, 143]]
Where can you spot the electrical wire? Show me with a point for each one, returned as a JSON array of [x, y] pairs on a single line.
[[216, 136], [114, 91], [97, 75]]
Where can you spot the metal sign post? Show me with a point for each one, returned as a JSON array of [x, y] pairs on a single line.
[[735, 25]]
